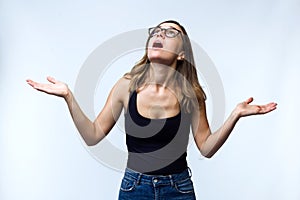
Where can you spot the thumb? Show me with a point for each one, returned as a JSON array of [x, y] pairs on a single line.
[[249, 100], [51, 79]]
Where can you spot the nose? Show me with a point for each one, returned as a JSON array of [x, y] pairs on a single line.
[[161, 33]]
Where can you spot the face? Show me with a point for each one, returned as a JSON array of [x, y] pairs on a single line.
[[163, 47]]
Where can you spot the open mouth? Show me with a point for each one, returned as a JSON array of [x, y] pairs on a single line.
[[157, 44]]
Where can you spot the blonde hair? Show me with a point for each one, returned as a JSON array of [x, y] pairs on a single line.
[[188, 90]]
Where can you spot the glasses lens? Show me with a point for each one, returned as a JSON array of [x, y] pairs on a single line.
[[170, 32], [154, 31]]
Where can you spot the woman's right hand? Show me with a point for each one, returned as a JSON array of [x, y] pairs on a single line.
[[55, 87]]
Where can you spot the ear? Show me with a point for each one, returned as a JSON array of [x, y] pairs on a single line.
[[180, 56]]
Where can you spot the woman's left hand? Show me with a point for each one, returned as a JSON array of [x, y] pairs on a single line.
[[245, 109]]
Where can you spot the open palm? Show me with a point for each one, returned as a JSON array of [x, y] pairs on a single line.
[[245, 109], [55, 87]]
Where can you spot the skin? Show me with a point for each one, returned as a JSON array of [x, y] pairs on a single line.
[[171, 51], [157, 100]]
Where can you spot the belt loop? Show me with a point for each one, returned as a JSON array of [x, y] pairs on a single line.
[[190, 172], [171, 180], [139, 178]]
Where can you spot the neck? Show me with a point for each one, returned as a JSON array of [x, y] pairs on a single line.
[[161, 74]]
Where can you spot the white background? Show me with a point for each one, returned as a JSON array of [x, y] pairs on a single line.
[[253, 44]]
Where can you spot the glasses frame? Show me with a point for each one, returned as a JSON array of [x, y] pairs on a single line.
[[151, 30]]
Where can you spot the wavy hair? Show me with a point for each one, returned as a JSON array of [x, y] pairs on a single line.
[[188, 90]]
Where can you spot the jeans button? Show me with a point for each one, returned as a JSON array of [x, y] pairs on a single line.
[[155, 180]]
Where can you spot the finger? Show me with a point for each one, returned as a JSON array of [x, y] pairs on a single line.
[[249, 100], [31, 82], [51, 79], [38, 86], [268, 108], [271, 105]]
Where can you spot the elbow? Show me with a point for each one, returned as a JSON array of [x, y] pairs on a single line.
[[93, 141], [207, 151], [208, 155], [95, 136], [89, 142]]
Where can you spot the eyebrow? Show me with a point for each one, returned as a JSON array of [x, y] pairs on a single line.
[[170, 27]]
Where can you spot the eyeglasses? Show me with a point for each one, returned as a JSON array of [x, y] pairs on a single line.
[[169, 32]]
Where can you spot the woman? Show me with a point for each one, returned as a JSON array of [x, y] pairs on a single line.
[[162, 99]]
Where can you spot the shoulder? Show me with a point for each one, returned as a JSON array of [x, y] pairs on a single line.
[[199, 113], [123, 83], [120, 90]]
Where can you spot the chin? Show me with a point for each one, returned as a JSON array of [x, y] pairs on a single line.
[[159, 56]]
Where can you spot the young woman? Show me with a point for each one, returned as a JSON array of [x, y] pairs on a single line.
[[162, 99]]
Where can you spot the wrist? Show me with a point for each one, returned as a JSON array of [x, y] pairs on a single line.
[[236, 114], [68, 95]]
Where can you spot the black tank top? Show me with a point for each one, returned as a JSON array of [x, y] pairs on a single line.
[[156, 146]]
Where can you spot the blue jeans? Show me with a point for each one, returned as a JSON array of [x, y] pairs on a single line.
[[138, 186]]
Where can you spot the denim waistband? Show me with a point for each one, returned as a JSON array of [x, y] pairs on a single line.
[[157, 179]]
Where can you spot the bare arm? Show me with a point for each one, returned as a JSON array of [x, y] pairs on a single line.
[[209, 143], [91, 132]]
